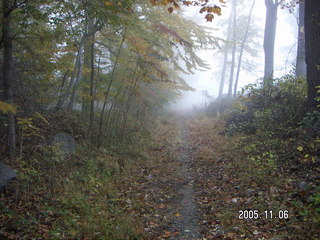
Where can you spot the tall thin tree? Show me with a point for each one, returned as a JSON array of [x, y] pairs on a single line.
[[301, 66], [269, 40], [244, 40], [234, 48], [225, 56]]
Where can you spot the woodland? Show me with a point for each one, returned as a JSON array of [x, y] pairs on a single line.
[[89, 150]]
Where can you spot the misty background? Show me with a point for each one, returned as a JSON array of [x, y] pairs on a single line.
[[206, 81]]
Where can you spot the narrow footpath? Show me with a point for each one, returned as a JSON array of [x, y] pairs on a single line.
[[190, 187], [164, 189], [187, 219]]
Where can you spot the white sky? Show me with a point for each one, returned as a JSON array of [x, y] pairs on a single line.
[[285, 51]]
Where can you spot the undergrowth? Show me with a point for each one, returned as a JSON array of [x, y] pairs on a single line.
[[272, 159], [283, 149], [70, 197]]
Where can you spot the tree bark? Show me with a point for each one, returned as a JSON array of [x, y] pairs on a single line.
[[225, 57], [234, 48], [8, 71], [92, 94], [63, 97], [301, 67], [244, 40], [129, 102], [76, 82], [109, 87], [312, 35], [269, 40]]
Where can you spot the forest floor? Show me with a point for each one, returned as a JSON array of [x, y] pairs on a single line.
[[190, 182], [193, 190]]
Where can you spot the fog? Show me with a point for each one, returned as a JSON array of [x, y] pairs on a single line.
[[208, 81]]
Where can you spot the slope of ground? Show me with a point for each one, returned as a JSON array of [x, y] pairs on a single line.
[[190, 182]]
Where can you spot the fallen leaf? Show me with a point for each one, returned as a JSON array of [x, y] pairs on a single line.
[[166, 234]]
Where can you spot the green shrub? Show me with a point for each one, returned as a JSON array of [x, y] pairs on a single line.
[[271, 109]]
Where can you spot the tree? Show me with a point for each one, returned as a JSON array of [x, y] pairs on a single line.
[[8, 7], [242, 48], [49, 53], [312, 35], [225, 57], [269, 40], [234, 48], [301, 67]]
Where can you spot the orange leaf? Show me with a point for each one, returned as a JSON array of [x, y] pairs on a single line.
[[166, 234], [162, 206]]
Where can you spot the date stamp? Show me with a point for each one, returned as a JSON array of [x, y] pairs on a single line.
[[267, 214]]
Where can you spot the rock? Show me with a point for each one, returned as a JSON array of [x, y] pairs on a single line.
[[303, 185], [6, 175], [65, 142]]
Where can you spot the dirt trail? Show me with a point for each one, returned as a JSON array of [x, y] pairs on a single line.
[[187, 220], [166, 188]]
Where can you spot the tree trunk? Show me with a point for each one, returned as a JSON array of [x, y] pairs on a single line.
[[8, 72], [225, 57], [92, 95], [63, 97], [312, 33], [87, 63], [241, 50], [109, 87], [301, 67], [76, 82], [269, 40], [234, 48], [128, 104]]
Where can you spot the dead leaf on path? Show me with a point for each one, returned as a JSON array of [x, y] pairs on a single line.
[[162, 206], [232, 235], [212, 222], [166, 234], [254, 184], [177, 214], [296, 227]]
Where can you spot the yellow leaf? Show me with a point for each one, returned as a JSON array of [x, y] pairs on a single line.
[[6, 107], [177, 214], [42, 118], [300, 148]]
